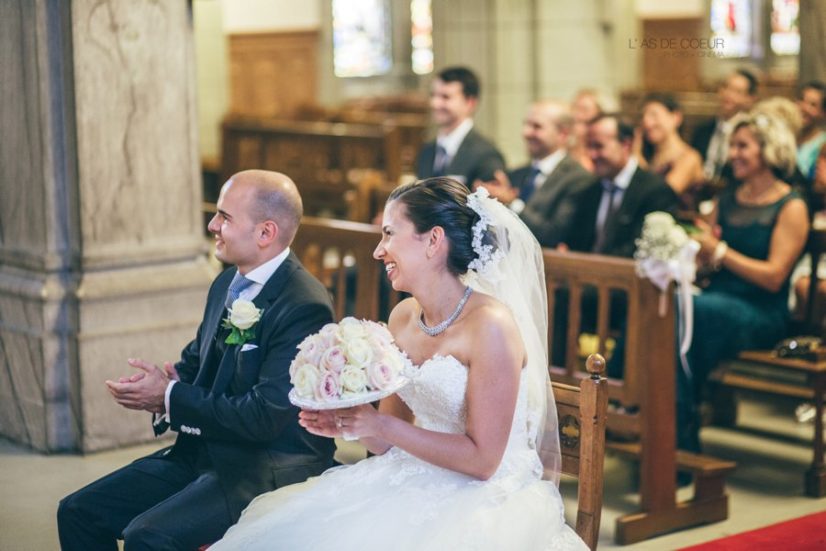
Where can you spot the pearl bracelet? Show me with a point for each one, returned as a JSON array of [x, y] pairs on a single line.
[[719, 253]]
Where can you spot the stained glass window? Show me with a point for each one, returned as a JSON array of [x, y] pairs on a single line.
[[785, 37], [361, 38], [421, 31], [731, 21]]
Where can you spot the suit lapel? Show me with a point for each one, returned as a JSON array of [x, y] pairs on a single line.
[[212, 322], [624, 214], [263, 301], [550, 189]]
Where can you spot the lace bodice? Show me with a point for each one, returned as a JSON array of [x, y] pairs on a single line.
[[436, 396]]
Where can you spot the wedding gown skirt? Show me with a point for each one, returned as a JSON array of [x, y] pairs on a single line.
[[398, 502]]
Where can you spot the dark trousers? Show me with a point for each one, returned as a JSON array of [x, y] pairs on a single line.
[[166, 500]]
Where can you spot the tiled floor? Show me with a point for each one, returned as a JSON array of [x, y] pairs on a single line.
[[766, 488]]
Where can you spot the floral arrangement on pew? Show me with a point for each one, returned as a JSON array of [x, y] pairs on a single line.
[[345, 364], [666, 253]]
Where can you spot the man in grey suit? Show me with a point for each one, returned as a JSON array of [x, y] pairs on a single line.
[[458, 151], [543, 192]]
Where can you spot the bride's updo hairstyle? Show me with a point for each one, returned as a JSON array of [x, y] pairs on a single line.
[[442, 202]]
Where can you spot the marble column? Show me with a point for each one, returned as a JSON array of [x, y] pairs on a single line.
[[812, 58], [101, 245]]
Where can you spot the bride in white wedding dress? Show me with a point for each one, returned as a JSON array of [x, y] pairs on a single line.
[[461, 450]]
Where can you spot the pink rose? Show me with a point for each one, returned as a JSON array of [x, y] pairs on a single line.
[[327, 388], [333, 359], [329, 336], [378, 335], [311, 349], [383, 373]]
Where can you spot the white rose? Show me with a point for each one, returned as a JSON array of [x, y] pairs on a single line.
[[659, 221], [243, 314], [359, 352], [353, 379], [677, 236], [351, 328], [306, 380]]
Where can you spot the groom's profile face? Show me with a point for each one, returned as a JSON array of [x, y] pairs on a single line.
[[233, 227]]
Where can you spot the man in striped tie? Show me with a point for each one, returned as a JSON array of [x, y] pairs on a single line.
[[238, 434]]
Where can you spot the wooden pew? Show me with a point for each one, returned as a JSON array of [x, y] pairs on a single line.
[[644, 400], [763, 372], [581, 412], [319, 156]]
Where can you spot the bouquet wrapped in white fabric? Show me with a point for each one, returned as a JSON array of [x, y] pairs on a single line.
[[666, 253], [346, 364]]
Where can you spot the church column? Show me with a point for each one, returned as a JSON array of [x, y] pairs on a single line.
[[812, 21], [101, 244]]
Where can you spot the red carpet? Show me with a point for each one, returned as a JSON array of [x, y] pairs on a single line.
[[800, 534]]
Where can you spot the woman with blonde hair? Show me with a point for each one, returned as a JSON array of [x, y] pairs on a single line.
[[752, 239]]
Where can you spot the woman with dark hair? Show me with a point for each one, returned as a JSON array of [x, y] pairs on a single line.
[[664, 152], [753, 238], [459, 451]]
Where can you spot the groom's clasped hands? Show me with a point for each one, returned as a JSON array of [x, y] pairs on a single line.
[[145, 389]]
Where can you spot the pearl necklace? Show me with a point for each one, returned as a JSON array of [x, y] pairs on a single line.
[[440, 328]]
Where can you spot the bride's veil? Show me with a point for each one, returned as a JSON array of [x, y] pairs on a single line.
[[510, 268]]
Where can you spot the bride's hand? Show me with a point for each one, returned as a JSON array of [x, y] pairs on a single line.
[[359, 421], [320, 423]]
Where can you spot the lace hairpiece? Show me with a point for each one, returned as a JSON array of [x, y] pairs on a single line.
[[485, 242]]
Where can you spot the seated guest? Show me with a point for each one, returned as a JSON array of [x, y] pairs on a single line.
[[610, 211], [609, 215], [238, 434], [459, 151], [664, 152], [812, 104], [542, 192], [753, 238], [584, 108], [737, 94]]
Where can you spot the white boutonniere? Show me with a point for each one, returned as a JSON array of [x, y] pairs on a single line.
[[243, 315]]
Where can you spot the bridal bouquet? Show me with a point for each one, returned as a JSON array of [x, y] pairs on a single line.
[[664, 254], [346, 364]]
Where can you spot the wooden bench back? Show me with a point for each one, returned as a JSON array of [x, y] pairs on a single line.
[[313, 153], [649, 338], [647, 391], [582, 415], [340, 254]]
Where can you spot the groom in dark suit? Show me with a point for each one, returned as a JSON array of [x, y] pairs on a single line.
[[238, 433], [459, 151]]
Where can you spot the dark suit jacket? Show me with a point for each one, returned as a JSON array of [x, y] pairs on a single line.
[[476, 158], [702, 136], [549, 213], [236, 403], [646, 193]]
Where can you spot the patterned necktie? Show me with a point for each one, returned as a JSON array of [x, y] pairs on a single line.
[[529, 184], [239, 283], [440, 162]]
